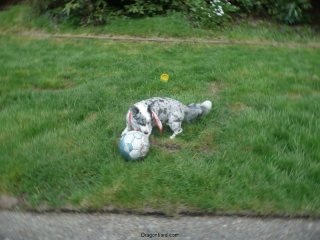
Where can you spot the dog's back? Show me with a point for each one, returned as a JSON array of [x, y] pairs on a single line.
[[166, 108]]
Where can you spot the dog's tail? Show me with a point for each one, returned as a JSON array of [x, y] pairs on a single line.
[[195, 110]]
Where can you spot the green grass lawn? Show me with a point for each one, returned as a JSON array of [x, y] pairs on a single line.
[[63, 106]]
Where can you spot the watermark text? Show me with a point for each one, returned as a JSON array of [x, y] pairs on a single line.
[[159, 235]]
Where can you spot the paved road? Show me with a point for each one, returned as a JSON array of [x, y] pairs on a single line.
[[18, 226]]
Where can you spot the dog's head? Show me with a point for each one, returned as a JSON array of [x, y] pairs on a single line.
[[141, 117]]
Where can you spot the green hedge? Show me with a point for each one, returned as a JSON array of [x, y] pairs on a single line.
[[286, 11], [200, 12], [99, 11]]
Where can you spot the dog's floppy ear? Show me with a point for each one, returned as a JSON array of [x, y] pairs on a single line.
[[156, 119], [134, 110]]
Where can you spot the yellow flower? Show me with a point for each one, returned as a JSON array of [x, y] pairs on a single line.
[[164, 77]]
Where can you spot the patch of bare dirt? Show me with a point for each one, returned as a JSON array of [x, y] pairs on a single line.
[[91, 117], [238, 106], [35, 34], [294, 95], [63, 86], [170, 147], [214, 88], [8, 202]]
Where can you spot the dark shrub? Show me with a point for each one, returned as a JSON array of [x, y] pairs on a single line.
[[201, 12], [286, 11]]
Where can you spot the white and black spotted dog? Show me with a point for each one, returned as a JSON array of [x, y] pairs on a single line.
[[156, 111]]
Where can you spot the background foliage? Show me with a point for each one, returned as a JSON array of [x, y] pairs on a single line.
[[200, 12], [286, 11]]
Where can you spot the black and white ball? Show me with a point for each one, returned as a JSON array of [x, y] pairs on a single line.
[[134, 145]]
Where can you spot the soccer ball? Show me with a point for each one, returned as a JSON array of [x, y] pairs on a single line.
[[134, 145]]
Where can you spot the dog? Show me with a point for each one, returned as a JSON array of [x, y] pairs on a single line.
[[156, 111]]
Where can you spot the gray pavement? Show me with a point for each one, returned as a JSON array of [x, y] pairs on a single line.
[[47, 226]]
